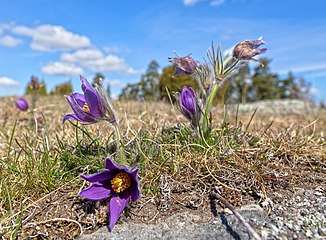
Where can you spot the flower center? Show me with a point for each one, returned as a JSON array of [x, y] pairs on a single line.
[[86, 107], [121, 182]]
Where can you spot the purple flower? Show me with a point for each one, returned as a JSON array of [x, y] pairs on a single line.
[[189, 105], [90, 107], [21, 104], [184, 65], [247, 49], [117, 183], [35, 84]]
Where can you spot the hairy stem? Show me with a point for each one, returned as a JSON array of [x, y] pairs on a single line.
[[119, 142], [208, 108]]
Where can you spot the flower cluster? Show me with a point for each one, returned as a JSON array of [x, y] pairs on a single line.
[[210, 77], [118, 183]]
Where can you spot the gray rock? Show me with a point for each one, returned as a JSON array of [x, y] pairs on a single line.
[[183, 226]]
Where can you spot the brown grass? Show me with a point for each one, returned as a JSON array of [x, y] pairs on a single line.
[[40, 166]]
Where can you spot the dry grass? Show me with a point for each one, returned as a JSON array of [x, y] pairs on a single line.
[[40, 163]]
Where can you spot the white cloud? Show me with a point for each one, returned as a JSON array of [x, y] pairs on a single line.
[[190, 2], [115, 83], [52, 37], [9, 41], [95, 60], [111, 63], [314, 91], [112, 49], [8, 82], [82, 56], [194, 2], [60, 68], [304, 68], [4, 26], [216, 3]]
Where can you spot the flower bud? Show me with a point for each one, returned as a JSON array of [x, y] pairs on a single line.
[[189, 105], [21, 104], [184, 65], [35, 84], [247, 49]]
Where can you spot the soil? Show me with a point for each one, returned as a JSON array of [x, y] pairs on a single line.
[[288, 213]]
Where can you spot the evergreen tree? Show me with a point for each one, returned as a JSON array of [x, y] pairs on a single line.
[[171, 83], [108, 91], [147, 88], [97, 79], [265, 84], [63, 89]]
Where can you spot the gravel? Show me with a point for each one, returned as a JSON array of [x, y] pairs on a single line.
[[301, 215]]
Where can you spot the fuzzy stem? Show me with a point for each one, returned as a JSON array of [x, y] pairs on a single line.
[[33, 105], [208, 107], [119, 142]]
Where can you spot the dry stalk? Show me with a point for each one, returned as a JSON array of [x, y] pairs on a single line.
[[250, 230]]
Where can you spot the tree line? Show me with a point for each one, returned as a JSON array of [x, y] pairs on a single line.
[[247, 85]]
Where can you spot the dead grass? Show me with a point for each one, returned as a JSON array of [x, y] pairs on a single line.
[[40, 163]]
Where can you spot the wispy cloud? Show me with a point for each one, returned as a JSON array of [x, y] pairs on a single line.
[[214, 3], [4, 26], [306, 68], [52, 37], [8, 82], [116, 83], [61, 69], [190, 2], [9, 41], [95, 60]]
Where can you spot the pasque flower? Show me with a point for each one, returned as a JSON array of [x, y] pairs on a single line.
[[90, 107], [184, 65], [189, 105], [35, 84], [117, 183], [22, 104], [247, 49]]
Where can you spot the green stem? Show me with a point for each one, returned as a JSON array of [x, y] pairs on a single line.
[[208, 108], [119, 142]]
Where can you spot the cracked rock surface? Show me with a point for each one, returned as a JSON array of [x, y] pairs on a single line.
[[301, 215]]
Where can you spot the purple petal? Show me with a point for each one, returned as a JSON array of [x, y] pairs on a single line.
[[71, 117], [85, 83], [134, 189], [22, 104], [261, 50], [111, 166], [94, 102], [78, 110], [117, 205], [79, 98], [95, 192], [258, 42], [188, 102], [98, 177], [92, 98]]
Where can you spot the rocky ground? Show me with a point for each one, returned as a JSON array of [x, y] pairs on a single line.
[[300, 215]]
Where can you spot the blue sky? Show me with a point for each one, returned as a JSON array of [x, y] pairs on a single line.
[[58, 40]]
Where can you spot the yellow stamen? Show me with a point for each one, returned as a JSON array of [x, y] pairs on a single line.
[[86, 107], [121, 182]]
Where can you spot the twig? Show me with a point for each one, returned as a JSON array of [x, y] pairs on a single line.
[[250, 230]]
